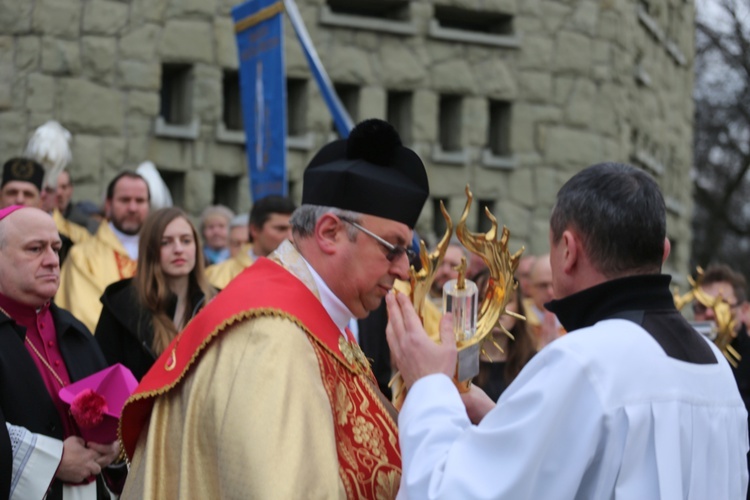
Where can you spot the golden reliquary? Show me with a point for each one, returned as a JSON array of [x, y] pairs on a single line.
[[472, 322]]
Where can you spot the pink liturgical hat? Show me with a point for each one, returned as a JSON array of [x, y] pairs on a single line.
[[9, 210], [96, 402]]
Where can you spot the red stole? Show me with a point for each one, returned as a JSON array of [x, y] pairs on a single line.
[[366, 435]]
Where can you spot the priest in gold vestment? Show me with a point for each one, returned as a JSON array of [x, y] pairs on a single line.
[[110, 255], [76, 233], [268, 226], [266, 394]]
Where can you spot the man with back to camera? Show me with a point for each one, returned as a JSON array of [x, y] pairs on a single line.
[[632, 403], [110, 255]]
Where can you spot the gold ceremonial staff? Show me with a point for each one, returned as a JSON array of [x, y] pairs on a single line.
[[502, 265]]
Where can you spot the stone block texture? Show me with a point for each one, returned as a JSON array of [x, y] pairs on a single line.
[[584, 81]]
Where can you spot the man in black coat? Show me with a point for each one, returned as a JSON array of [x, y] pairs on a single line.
[[42, 348]]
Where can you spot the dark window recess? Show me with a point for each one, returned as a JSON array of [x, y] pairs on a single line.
[[226, 191], [484, 223], [349, 96], [399, 113], [397, 10], [450, 122], [175, 181], [498, 133], [232, 112], [457, 18], [176, 93], [296, 106]]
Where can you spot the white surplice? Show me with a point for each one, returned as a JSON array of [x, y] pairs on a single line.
[[35, 460], [601, 413]]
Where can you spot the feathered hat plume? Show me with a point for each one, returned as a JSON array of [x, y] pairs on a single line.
[[50, 146], [161, 197]]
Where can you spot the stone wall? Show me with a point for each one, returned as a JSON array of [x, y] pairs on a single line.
[[586, 81]]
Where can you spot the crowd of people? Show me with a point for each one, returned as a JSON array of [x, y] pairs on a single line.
[[264, 345]]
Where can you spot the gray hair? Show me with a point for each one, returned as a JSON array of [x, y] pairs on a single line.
[[241, 220], [304, 219], [219, 210]]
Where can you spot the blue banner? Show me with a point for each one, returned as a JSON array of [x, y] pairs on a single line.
[[258, 27], [341, 117]]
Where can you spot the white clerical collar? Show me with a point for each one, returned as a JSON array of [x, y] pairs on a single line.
[[129, 241], [336, 309]]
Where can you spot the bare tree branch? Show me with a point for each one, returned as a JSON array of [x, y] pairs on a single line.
[[722, 131]]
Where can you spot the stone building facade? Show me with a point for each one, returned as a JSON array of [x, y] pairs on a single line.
[[510, 96]]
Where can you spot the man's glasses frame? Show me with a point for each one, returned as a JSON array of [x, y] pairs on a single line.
[[394, 251], [699, 308]]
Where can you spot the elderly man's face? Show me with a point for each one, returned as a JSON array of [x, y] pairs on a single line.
[[216, 231], [363, 274], [29, 261], [20, 193], [238, 236]]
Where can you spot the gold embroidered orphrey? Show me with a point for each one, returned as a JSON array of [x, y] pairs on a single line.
[[502, 266], [725, 320], [354, 355]]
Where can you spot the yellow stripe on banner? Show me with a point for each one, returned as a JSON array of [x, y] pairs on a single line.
[[259, 17]]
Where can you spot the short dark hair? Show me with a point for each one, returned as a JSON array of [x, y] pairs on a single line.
[[619, 213], [130, 175], [273, 204], [722, 273]]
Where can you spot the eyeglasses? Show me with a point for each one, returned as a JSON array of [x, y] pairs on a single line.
[[394, 251], [699, 308]]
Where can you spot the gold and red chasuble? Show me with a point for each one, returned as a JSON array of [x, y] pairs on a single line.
[[364, 424]]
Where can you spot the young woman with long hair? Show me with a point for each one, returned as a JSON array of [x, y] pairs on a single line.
[[143, 314], [497, 369]]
